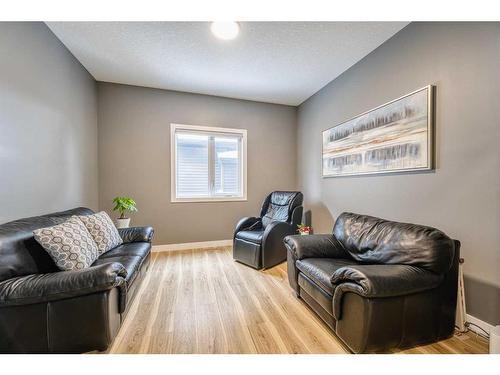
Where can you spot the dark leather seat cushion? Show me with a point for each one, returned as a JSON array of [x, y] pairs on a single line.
[[131, 264], [254, 236], [320, 270], [140, 249]]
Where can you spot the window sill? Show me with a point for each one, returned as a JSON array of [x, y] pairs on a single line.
[[208, 200]]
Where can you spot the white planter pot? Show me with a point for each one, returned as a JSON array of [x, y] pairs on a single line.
[[123, 223], [304, 233]]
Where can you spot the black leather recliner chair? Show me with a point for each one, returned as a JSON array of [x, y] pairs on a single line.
[[378, 284], [45, 310], [258, 241]]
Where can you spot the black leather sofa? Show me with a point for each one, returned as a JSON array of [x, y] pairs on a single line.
[[45, 310], [378, 284], [258, 241]]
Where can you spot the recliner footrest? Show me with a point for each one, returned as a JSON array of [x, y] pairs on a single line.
[[247, 253]]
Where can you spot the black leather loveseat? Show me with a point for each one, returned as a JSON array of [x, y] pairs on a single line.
[[378, 284], [45, 310]]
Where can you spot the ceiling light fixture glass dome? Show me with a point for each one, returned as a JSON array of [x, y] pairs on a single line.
[[225, 30]]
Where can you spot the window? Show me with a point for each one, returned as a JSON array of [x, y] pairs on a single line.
[[208, 164]]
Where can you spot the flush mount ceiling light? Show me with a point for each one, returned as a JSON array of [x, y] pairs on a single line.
[[225, 30]]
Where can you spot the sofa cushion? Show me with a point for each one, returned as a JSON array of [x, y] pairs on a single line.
[[372, 240], [131, 264], [320, 270], [103, 231], [141, 249], [316, 293], [69, 244], [254, 236]]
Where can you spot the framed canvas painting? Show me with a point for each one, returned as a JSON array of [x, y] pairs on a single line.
[[394, 137]]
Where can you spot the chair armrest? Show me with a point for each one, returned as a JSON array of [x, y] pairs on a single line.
[[381, 281], [273, 248], [38, 288], [136, 234], [315, 246], [276, 231], [246, 223], [297, 216]]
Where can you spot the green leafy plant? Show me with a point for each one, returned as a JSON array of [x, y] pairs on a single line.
[[124, 204]]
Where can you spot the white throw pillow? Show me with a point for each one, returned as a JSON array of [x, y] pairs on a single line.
[[103, 231], [69, 244]]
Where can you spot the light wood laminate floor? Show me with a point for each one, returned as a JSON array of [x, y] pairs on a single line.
[[201, 301]]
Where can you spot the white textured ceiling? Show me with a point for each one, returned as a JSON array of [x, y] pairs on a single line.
[[276, 62]]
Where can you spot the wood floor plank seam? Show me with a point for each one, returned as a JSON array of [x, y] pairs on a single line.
[[288, 324], [237, 304], [273, 331], [161, 340], [213, 298], [155, 308], [209, 334], [227, 319], [172, 345]]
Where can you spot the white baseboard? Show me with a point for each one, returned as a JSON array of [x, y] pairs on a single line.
[[486, 326], [191, 245]]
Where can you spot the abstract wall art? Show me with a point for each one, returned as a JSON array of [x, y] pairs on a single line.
[[394, 137]]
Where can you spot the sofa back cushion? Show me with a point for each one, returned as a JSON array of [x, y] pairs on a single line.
[[279, 206], [372, 240], [20, 254]]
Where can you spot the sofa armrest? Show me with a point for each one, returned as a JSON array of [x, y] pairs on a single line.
[[381, 281], [38, 288], [246, 223], [136, 234], [315, 246]]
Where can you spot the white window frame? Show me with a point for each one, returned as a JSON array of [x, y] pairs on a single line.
[[212, 131]]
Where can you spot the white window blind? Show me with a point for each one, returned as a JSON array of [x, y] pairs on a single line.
[[208, 163], [192, 165]]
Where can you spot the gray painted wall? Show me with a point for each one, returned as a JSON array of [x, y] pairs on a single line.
[[462, 196], [134, 157], [48, 125]]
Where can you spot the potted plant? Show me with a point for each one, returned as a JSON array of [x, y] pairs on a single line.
[[303, 229], [122, 205]]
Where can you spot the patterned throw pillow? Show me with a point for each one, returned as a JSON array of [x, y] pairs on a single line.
[[102, 230], [69, 244]]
